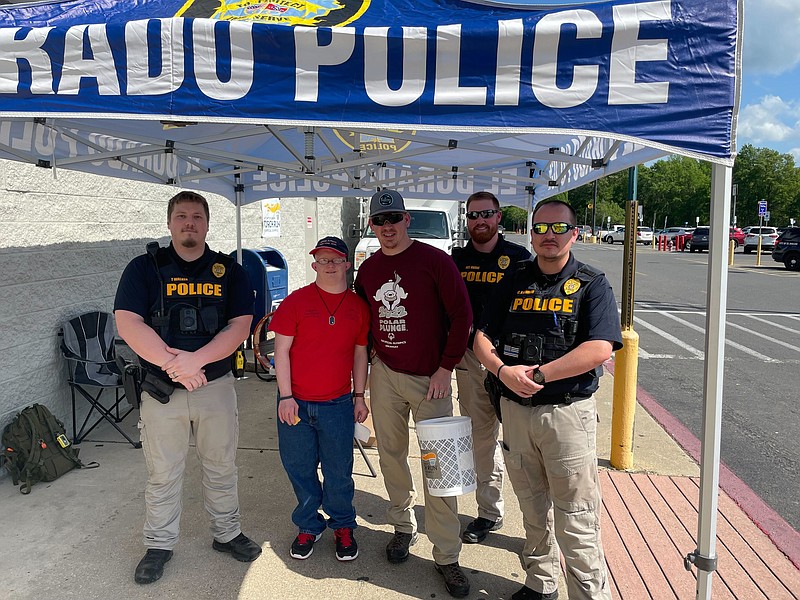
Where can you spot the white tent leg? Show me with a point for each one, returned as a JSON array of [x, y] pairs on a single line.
[[705, 557]]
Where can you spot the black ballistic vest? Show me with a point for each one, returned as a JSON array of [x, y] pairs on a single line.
[[191, 309], [542, 325]]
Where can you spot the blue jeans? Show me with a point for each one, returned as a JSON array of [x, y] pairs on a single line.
[[323, 436]]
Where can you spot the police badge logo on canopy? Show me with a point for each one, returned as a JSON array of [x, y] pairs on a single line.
[[320, 13]]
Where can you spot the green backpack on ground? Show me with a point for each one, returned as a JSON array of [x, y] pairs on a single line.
[[36, 448]]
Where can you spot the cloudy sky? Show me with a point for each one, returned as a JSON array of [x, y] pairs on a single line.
[[769, 115]]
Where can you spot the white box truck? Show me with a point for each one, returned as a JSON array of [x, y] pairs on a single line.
[[440, 223]]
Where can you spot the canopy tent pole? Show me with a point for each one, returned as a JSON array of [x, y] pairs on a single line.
[[705, 557], [529, 222], [238, 191]]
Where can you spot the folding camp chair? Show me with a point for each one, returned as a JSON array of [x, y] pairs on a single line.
[[88, 347]]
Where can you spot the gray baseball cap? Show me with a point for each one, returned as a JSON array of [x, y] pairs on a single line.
[[386, 201]]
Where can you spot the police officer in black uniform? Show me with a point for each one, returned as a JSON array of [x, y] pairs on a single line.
[[483, 262], [184, 310], [543, 338]]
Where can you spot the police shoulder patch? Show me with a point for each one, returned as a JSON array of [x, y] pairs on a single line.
[[503, 262], [218, 269], [571, 286]]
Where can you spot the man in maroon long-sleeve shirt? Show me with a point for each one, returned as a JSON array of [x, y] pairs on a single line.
[[421, 318]]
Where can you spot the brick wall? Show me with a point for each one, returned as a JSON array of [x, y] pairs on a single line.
[[64, 244]]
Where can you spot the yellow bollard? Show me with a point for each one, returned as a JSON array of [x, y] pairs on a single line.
[[758, 250], [730, 253], [626, 364]]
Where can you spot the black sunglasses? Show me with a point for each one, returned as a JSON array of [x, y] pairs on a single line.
[[381, 220], [559, 228], [483, 214]]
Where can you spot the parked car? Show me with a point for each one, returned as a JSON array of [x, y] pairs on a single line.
[[768, 236], [606, 234], [787, 249], [699, 239], [682, 241], [673, 232], [737, 235], [644, 235], [700, 236], [618, 235], [584, 233]]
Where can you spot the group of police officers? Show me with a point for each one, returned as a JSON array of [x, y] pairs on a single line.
[[542, 328]]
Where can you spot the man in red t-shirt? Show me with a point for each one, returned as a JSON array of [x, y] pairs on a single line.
[[421, 318], [320, 343]]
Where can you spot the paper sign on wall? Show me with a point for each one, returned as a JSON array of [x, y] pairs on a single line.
[[271, 218]]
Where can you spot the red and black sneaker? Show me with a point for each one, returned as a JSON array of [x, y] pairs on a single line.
[[346, 547], [303, 545]]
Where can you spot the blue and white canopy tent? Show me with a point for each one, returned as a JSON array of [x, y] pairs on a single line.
[[432, 97], [254, 99]]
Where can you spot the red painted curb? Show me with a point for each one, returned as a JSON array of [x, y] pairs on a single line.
[[783, 535]]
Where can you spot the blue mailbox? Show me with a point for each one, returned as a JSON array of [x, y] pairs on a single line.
[[269, 275]]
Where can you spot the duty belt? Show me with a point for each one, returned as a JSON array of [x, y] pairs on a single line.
[[540, 400]]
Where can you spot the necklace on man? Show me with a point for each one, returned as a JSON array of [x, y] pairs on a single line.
[[331, 317]]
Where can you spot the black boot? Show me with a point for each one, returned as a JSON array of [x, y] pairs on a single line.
[[242, 548], [526, 593], [151, 567], [477, 531]]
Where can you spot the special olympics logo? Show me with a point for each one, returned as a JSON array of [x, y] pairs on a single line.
[[316, 13]]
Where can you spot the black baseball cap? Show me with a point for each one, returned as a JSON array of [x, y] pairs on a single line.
[[386, 201]]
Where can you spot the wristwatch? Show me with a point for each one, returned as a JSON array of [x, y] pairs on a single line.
[[538, 377]]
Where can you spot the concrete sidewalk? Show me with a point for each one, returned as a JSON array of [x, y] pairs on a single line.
[[80, 536]]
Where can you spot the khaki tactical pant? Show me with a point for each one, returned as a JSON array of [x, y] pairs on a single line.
[[209, 414], [393, 395], [474, 402], [551, 460]]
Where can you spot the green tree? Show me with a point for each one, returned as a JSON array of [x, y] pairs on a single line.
[[765, 174], [612, 189], [678, 188], [609, 208], [514, 218]]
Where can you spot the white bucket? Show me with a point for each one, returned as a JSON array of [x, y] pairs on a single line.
[[445, 445]]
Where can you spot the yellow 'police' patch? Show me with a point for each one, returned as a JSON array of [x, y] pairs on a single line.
[[571, 286], [503, 262], [218, 269]]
